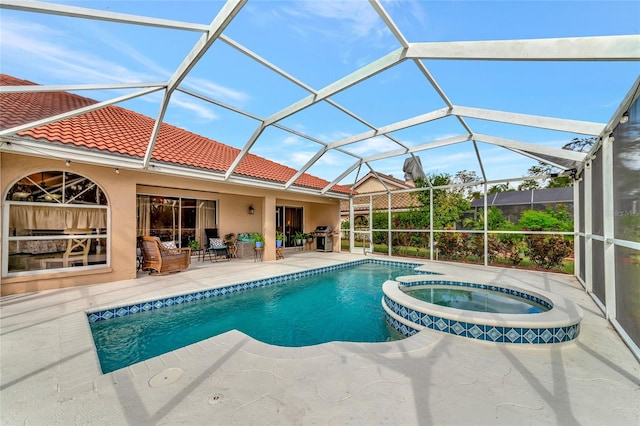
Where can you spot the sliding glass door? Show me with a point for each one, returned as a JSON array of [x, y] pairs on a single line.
[[176, 219], [289, 220]]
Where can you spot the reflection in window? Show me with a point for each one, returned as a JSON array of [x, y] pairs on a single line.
[[56, 220]]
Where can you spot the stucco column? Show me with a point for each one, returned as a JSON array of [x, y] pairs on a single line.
[[269, 227]]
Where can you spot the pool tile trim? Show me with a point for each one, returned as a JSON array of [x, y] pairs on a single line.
[[408, 321], [101, 314], [489, 333]]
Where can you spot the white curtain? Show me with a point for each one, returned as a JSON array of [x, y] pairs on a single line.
[[53, 217], [205, 218], [144, 213]]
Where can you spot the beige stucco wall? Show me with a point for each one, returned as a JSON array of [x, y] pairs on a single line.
[[374, 185], [121, 190]]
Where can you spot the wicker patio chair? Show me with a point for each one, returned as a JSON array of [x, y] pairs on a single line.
[[159, 259]]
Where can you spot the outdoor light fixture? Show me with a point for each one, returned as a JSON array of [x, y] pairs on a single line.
[[251, 210], [624, 118], [573, 173], [611, 138], [67, 163], [117, 171]]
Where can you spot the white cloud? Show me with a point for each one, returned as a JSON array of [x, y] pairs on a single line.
[[290, 140], [60, 55], [126, 49], [39, 49], [332, 159], [417, 14], [216, 91], [464, 160], [198, 108], [300, 158], [361, 18], [355, 19], [372, 146]]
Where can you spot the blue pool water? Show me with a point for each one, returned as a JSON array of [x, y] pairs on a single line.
[[342, 305], [475, 299]]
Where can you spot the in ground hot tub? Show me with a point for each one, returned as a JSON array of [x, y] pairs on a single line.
[[544, 318]]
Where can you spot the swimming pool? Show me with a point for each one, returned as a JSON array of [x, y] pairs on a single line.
[[339, 304]]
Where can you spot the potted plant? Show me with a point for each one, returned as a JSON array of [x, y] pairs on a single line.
[[280, 238], [309, 237], [298, 238], [258, 240], [194, 244]]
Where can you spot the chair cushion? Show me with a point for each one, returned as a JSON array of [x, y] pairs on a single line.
[[169, 244], [216, 243]]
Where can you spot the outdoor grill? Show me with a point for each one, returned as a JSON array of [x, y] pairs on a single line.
[[323, 234]]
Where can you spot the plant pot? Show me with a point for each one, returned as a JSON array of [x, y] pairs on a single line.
[[258, 244], [278, 243]]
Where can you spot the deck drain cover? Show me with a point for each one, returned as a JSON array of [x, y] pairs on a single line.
[[215, 399], [166, 377]]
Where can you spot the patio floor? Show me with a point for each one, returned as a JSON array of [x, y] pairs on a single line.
[[50, 372]]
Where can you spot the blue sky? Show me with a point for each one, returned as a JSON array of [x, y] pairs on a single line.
[[319, 42]]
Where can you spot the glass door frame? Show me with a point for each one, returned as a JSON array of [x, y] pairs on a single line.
[[177, 228], [289, 220]]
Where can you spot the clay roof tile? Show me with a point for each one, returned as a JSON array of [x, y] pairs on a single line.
[[122, 131]]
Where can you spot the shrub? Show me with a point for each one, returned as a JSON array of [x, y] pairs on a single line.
[[548, 251], [495, 220], [380, 222], [379, 237], [475, 245], [495, 247], [548, 220], [451, 245]]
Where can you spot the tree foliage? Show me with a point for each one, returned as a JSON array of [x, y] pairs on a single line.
[[495, 220], [449, 203], [501, 187], [467, 177], [544, 169], [548, 220], [580, 144]]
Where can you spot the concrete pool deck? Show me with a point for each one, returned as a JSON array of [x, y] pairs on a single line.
[[50, 372]]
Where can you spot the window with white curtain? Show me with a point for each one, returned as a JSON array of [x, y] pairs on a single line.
[[54, 220]]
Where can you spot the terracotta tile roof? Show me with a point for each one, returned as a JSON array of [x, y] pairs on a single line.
[[125, 132]]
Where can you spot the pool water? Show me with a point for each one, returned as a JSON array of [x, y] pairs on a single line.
[[473, 299], [341, 305]]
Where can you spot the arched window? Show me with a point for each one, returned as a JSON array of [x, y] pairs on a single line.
[[54, 220]]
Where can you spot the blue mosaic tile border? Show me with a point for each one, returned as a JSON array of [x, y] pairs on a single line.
[[543, 302], [427, 273], [402, 328], [477, 331], [122, 311]]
